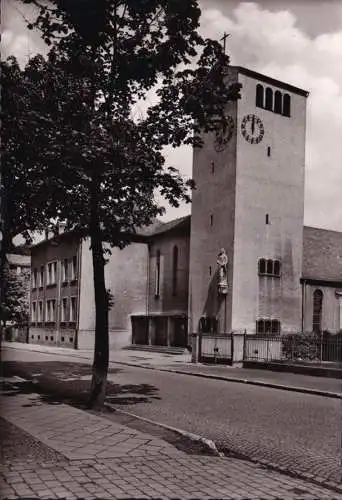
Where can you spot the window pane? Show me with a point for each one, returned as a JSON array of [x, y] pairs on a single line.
[[276, 266], [262, 266], [287, 105], [259, 98], [278, 102], [269, 99], [269, 267]]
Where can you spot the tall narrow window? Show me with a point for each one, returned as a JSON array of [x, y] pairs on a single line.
[[34, 312], [174, 269], [41, 277], [269, 267], [64, 310], [157, 276], [74, 268], [262, 266], [211, 220], [34, 278], [267, 219], [51, 273], [269, 99], [40, 311], [278, 102], [65, 270], [317, 311], [276, 268], [259, 97], [73, 309], [287, 105]]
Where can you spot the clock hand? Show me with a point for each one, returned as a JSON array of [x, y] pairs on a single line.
[[253, 123]]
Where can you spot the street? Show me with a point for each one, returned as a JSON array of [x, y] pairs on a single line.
[[299, 432]]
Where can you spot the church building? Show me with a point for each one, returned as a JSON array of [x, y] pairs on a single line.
[[243, 261]]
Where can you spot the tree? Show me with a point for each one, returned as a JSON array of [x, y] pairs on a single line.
[[99, 168], [14, 306]]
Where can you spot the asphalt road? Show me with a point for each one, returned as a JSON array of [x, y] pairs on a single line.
[[299, 432]]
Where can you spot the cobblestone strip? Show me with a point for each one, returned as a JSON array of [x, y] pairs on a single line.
[[187, 477]]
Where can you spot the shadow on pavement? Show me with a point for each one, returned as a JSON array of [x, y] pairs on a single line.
[[58, 382]]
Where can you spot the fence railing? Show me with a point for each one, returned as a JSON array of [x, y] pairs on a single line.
[[215, 348], [294, 347], [301, 347]]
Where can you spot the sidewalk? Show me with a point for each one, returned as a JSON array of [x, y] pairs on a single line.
[[93, 457], [182, 364]]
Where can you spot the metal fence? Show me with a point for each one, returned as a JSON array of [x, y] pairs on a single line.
[[215, 348], [294, 347]]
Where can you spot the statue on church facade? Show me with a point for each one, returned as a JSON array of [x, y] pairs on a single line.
[[222, 262]]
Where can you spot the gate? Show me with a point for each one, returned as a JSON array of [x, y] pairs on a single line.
[[215, 348]]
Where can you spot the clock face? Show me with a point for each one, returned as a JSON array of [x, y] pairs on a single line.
[[224, 134], [252, 129]]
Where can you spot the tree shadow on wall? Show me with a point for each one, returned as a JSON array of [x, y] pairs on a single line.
[[59, 382]]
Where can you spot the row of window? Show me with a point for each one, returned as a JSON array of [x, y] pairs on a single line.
[[47, 275], [269, 267], [267, 326], [273, 101], [49, 315], [175, 253]]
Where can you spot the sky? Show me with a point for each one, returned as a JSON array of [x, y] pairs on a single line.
[[299, 42]]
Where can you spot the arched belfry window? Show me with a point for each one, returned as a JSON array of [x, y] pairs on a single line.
[[259, 96], [269, 99], [174, 269], [317, 311], [157, 275], [278, 102], [287, 105]]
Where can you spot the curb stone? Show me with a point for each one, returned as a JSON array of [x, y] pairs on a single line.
[[193, 437]]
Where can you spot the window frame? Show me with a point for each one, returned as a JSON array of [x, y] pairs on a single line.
[[73, 310], [34, 310], [269, 267], [53, 264], [259, 96], [157, 276], [175, 260]]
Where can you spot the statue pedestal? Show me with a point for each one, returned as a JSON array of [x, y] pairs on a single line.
[[222, 289]]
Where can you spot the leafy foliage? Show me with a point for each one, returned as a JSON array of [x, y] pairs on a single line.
[[14, 306]]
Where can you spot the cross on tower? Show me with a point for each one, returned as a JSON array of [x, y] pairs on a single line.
[[224, 38]]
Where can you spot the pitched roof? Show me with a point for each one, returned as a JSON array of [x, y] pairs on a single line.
[[19, 260], [322, 254], [179, 223]]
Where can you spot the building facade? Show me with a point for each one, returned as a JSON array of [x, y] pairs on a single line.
[[278, 276]]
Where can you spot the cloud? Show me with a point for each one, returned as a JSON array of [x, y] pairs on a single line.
[[273, 44]]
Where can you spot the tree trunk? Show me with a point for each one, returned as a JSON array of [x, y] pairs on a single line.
[[101, 351]]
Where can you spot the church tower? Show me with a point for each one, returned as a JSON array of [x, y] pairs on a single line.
[[249, 201]]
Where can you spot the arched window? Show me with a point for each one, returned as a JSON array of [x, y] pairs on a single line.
[[286, 105], [259, 96], [157, 276], [174, 269], [269, 99], [262, 266], [275, 326], [269, 266], [278, 102], [317, 311], [276, 268]]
